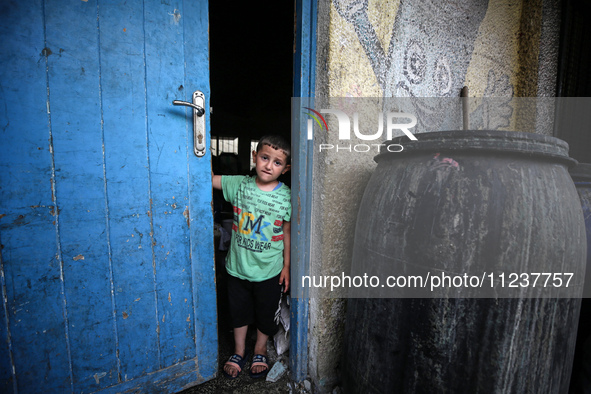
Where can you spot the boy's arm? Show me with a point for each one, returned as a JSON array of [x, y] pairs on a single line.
[[285, 273], [216, 181]]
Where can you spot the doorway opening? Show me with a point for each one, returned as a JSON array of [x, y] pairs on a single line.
[[251, 78]]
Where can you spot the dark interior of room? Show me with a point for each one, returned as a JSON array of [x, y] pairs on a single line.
[[574, 81], [251, 74], [251, 68]]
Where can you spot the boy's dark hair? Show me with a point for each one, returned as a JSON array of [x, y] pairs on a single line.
[[275, 142]]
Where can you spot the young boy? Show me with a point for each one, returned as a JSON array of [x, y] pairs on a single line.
[[258, 259]]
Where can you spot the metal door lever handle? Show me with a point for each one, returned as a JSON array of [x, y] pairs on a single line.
[[200, 110], [198, 105]]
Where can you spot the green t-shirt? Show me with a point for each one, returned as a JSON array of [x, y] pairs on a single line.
[[256, 249]]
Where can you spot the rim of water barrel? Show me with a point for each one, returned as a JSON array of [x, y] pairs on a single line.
[[494, 141], [581, 172]]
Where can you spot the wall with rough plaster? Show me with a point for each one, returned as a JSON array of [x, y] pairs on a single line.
[[396, 48]]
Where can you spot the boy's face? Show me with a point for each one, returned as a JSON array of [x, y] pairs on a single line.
[[270, 164]]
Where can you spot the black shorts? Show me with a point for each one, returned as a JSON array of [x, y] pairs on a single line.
[[254, 303]]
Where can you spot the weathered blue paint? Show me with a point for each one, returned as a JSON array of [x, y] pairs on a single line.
[[33, 290], [127, 167], [73, 77], [169, 179], [106, 224], [170, 380], [200, 208], [304, 86]]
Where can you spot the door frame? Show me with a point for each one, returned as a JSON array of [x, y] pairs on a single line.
[[302, 163]]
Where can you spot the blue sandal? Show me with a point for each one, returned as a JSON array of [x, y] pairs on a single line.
[[237, 362], [259, 360]]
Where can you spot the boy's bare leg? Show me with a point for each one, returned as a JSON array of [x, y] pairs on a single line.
[[260, 347], [239, 348]]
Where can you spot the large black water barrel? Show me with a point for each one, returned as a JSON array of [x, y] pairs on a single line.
[[467, 202]]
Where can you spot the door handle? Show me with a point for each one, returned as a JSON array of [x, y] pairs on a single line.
[[198, 106]]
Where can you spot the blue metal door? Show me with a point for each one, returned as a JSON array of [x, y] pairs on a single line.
[[106, 227]]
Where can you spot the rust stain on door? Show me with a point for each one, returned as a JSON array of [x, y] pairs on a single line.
[[186, 215]]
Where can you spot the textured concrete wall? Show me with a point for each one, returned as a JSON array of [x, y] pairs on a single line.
[[397, 48]]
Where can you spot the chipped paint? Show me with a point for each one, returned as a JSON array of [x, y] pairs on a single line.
[[79, 257], [98, 376], [176, 16]]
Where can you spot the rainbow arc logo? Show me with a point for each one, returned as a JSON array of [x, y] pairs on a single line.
[[315, 114]]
